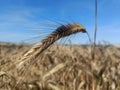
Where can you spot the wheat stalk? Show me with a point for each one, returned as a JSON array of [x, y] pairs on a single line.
[[62, 31], [54, 87], [55, 69]]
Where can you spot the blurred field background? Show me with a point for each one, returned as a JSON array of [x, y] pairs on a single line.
[[62, 67]]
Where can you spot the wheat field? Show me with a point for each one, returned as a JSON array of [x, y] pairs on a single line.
[[61, 67]]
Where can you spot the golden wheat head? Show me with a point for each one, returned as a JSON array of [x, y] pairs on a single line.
[[62, 31]]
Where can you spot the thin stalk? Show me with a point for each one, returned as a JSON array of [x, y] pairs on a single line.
[[94, 44]]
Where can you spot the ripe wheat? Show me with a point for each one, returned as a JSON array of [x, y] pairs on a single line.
[[62, 31]]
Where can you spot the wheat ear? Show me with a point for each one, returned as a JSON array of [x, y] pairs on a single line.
[[62, 31]]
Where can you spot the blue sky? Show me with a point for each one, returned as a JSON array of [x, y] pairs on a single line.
[[24, 19]]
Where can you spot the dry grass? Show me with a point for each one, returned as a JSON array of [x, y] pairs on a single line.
[[68, 68]]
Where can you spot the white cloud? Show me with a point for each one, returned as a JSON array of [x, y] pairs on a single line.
[[18, 17], [14, 22], [15, 14]]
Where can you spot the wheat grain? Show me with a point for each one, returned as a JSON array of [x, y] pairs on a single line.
[[62, 31]]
